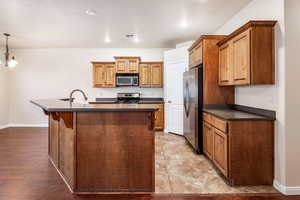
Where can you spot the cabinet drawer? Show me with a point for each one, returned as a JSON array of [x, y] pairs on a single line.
[[216, 122], [219, 124], [206, 117]]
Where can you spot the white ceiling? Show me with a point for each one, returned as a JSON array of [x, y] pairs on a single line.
[[157, 23]]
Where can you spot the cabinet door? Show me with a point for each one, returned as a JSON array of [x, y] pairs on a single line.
[[198, 54], [156, 76], [121, 66], [191, 58], [110, 76], [220, 151], [208, 140], [145, 75], [225, 65], [99, 75], [159, 118], [133, 66], [241, 59]]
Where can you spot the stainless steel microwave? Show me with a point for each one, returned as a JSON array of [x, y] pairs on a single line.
[[127, 80]]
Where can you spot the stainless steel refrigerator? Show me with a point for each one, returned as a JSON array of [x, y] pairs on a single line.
[[193, 103]]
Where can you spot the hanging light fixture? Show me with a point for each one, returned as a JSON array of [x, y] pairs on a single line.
[[9, 62]]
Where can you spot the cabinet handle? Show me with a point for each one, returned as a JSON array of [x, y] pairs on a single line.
[[223, 81], [239, 79]]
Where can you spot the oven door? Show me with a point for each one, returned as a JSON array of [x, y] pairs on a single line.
[[124, 81]]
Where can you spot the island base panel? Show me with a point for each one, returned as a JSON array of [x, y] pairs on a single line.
[[103, 152], [115, 151]]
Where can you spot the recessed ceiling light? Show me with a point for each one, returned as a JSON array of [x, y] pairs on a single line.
[[183, 24], [200, 1], [107, 40], [136, 40], [91, 12], [203, 1]]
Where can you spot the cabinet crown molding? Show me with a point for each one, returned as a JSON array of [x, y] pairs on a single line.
[[206, 37], [252, 23], [128, 57], [95, 62]]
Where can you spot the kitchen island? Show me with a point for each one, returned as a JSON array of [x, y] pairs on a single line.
[[102, 148]]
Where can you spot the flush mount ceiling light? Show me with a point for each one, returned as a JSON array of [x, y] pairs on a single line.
[[91, 12], [9, 62]]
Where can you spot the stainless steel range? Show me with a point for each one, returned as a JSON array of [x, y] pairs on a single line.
[[128, 97]]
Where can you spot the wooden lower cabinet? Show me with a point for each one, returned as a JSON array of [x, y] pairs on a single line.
[[242, 150], [208, 140], [159, 117], [220, 146]]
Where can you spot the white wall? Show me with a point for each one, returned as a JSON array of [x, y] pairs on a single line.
[[4, 97], [53, 73], [292, 16], [272, 96]]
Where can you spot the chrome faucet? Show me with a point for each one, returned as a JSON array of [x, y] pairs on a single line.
[[77, 90]]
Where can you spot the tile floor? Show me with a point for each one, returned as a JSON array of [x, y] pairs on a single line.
[[180, 170]]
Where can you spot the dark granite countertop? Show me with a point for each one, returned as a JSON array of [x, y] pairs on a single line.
[[114, 101], [55, 105], [239, 113], [152, 101]]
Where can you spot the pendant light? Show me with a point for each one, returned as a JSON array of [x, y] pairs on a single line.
[[9, 62]]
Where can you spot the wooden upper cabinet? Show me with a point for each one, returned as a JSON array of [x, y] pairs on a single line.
[[127, 64], [145, 75], [249, 54], [151, 74], [133, 65], [104, 75], [110, 75], [196, 55], [225, 63], [156, 75], [99, 75], [241, 59], [121, 66]]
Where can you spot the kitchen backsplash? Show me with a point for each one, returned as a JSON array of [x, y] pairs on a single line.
[[112, 92]]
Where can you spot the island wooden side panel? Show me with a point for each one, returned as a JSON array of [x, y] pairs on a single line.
[[53, 138], [62, 143], [67, 142], [115, 152]]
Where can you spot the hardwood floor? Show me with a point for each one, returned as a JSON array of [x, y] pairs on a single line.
[[26, 173]]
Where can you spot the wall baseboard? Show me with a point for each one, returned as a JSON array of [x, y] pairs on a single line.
[[286, 190], [23, 125], [4, 126]]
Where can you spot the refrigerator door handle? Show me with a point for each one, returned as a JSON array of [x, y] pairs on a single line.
[[186, 100]]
